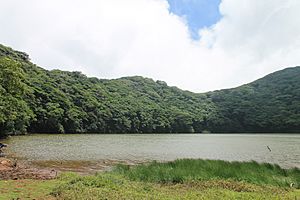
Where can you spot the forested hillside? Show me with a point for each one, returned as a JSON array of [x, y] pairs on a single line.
[[37, 100]]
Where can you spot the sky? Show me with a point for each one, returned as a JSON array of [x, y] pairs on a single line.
[[197, 14], [197, 45]]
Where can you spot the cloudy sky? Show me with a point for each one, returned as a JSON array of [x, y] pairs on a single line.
[[199, 45]]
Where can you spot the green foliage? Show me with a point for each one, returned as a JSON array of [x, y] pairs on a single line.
[[26, 189], [110, 186], [270, 104], [14, 112], [116, 186], [69, 102], [185, 170]]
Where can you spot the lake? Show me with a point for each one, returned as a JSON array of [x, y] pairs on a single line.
[[285, 148]]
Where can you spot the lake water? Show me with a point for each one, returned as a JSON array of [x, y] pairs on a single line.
[[285, 148]]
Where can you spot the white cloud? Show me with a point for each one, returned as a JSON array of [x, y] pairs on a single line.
[[113, 38]]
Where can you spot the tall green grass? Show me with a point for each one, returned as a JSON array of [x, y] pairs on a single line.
[[201, 179], [183, 170], [116, 187]]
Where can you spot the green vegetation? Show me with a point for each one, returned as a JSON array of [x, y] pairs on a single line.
[[14, 111], [185, 179], [69, 102], [270, 104], [27, 189], [107, 186], [184, 170], [181, 179]]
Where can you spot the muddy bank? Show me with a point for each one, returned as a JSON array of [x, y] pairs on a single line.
[[15, 170], [81, 167]]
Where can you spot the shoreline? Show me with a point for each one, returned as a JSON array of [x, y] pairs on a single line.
[[16, 170], [179, 179]]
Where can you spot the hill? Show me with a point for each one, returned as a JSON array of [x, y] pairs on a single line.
[[37, 100]]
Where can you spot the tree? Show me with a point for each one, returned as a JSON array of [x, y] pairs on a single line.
[[14, 111]]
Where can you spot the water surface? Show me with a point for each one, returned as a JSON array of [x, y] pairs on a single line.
[[285, 148]]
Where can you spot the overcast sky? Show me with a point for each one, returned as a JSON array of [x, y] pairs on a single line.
[[198, 45]]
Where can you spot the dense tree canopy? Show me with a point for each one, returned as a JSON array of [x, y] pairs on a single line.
[[38, 100], [14, 111]]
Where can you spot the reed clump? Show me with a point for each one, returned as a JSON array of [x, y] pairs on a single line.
[[185, 170]]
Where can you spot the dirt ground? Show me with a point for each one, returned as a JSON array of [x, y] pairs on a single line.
[[15, 170]]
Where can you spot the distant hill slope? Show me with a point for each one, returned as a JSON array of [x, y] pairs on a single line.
[[59, 101], [270, 104]]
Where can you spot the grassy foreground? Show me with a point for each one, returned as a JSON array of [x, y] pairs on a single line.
[[181, 179], [27, 189], [183, 170]]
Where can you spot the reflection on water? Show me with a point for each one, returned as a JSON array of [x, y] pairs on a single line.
[[139, 148]]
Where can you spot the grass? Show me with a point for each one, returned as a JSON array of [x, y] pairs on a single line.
[[181, 179], [183, 170], [27, 189], [112, 186]]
